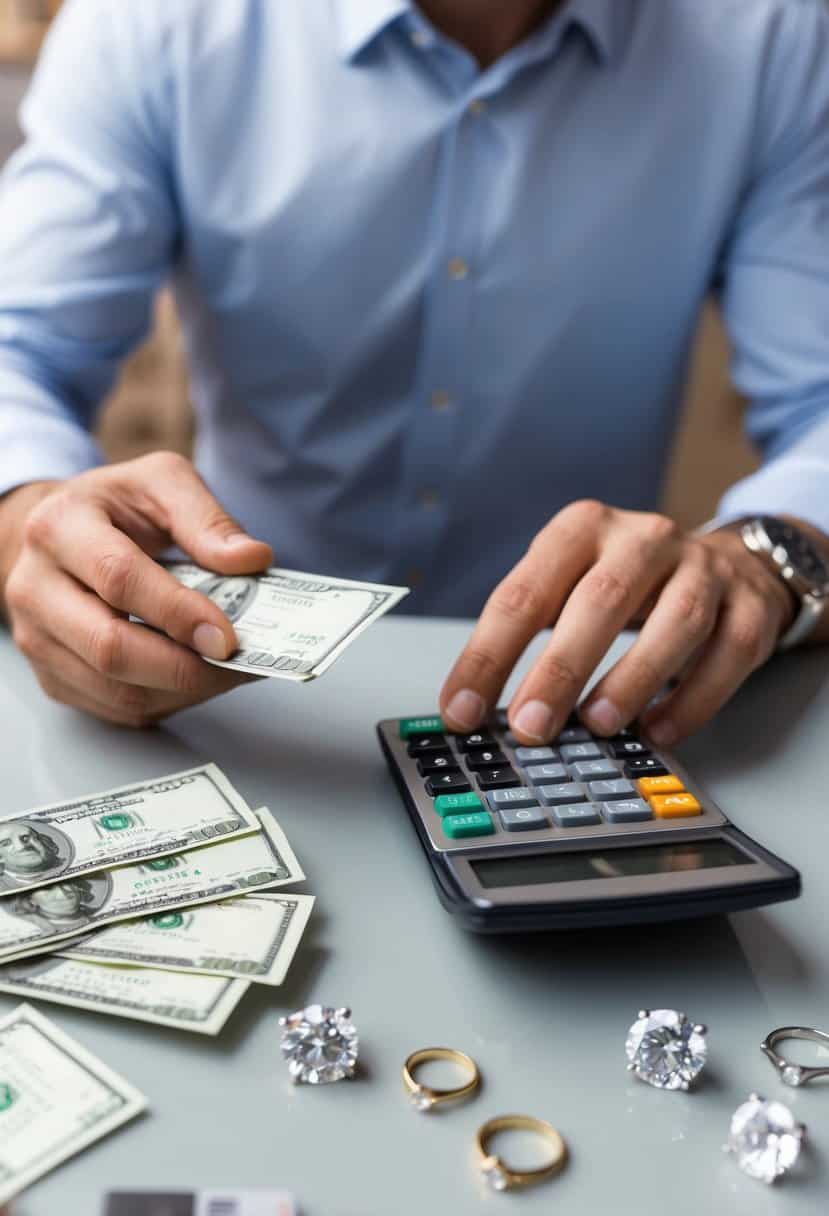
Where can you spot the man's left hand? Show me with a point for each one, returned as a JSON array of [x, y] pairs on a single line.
[[709, 611]]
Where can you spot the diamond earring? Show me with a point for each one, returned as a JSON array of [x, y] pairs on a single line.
[[665, 1049]]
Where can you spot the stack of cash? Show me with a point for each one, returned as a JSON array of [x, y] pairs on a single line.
[[156, 901]]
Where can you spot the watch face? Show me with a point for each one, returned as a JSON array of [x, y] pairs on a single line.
[[802, 554]]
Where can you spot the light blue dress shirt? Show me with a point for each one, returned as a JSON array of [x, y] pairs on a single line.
[[425, 305]]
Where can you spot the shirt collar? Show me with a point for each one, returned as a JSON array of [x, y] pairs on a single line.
[[605, 22]]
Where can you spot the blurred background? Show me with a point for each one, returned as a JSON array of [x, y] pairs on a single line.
[[150, 406]]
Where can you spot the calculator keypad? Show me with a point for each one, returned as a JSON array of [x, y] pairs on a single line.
[[488, 785]]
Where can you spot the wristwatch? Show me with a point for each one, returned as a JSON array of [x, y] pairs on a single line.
[[789, 554]]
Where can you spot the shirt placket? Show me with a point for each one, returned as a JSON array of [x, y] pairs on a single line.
[[446, 369]]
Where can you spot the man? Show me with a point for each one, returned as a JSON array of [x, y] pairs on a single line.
[[64, 906], [25, 852], [438, 266]]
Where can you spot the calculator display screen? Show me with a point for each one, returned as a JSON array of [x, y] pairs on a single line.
[[610, 863]]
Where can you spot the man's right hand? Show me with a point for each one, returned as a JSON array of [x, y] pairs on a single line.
[[79, 561]]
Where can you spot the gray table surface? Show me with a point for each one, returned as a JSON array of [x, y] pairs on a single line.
[[545, 1015]]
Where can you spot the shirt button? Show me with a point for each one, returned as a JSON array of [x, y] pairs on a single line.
[[421, 38], [440, 400], [477, 106], [458, 268], [429, 498]]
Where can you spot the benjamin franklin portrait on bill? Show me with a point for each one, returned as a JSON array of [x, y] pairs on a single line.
[[30, 850], [65, 906], [233, 595]]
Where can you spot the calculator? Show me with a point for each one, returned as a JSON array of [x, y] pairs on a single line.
[[586, 832]]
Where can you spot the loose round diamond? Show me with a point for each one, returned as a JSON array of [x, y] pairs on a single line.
[[792, 1075], [421, 1100], [320, 1044], [494, 1175], [665, 1049], [765, 1138]]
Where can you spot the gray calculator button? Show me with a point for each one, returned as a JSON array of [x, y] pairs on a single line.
[[578, 816], [595, 770], [631, 811], [517, 796], [543, 774], [534, 755], [580, 751], [603, 790], [559, 795], [523, 819], [575, 734]]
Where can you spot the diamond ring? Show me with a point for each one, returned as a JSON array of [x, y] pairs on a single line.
[[422, 1097], [665, 1049], [499, 1176], [765, 1137], [794, 1074], [320, 1044]]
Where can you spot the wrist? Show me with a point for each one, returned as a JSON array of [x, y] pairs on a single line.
[[15, 508], [780, 597]]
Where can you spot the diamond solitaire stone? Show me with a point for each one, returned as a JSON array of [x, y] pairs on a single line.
[[665, 1049], [765, 1137], [421, 1100], [493, 1174], [792, 1075], [320, 1044]]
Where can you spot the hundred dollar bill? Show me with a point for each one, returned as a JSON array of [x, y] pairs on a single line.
[[201, 1003], [38, 918], [56, 1098], [132, 823], [253, 938], [290, 624]]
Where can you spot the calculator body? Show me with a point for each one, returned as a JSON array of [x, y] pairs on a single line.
[[576, 842]]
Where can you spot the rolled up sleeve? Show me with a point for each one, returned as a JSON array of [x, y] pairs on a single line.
[[87, 230], [775, 279]]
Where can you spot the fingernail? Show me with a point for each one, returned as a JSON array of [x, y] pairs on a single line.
[[236, 538], [535, 719], [210, 641], [603, 717], [662, 733], [466, 708]]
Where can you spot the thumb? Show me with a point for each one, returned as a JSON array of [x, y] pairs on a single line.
[[198, 523]]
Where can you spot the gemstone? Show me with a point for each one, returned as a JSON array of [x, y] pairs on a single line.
[[792, 1075], [765, 1138], [421, 1100], [494, 1175], [320, 1044], [665, 1049]]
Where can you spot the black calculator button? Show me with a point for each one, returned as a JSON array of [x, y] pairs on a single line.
[[628, 749], [472, 743], [575, 734], [427, 765], [645, 766], [625, 736], [427, 743], [447, 783], [497, 778], [486, 759]]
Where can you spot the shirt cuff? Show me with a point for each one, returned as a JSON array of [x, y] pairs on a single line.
[[39, 439], [795, 486]]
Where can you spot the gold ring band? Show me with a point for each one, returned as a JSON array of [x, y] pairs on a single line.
[[424, 1097], [500, 1176]]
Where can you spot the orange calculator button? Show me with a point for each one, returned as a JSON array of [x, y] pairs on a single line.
[[674, 806], [669, 784]]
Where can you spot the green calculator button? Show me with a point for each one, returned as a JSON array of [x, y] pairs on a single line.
[[421, 726], [450, 804], [475, 824]]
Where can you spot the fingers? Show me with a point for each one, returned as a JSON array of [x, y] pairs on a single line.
[[680, 623], [109, 563], [745, 636], [181, 504], [527, 600], [118, 650], [597, 610]]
